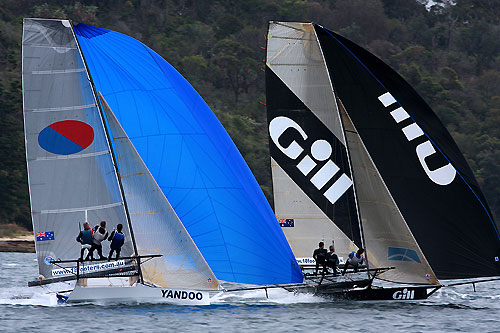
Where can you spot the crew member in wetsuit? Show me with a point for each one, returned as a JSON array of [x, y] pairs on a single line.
[[319, 255], [85, 238], [355, 259], [117, 238], [99, 235], [331, 261]]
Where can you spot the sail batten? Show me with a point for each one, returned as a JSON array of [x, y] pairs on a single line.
[[59, 71], [79, 209], [62, 108], [52, 158]]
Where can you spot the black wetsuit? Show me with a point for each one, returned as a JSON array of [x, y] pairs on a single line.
[[332, 260], [320, 255]]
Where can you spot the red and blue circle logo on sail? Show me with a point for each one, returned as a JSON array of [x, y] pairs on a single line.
[[66, 137]]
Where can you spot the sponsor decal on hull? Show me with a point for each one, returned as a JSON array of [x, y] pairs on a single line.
[[404, 294], [182, 294]]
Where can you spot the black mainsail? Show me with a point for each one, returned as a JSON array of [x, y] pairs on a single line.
[[421, 165], [420, 207]]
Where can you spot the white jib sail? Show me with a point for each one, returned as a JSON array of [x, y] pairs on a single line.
[[384, 228], [156, 226]]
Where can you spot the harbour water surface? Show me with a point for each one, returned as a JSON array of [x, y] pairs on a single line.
[[449, 310]]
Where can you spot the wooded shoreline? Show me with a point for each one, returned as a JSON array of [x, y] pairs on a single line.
[[450, 53], [23, 246]]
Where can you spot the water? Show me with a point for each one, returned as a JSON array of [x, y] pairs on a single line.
[[449, 310]]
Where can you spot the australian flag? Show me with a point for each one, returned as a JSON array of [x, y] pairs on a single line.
[[286, 223], [44, 236]]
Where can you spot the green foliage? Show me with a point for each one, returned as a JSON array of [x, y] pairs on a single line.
[[234, 67], [450, 55], [75, 11]]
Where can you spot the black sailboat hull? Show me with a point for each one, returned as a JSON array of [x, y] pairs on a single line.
[[363, 291], [381, 294]]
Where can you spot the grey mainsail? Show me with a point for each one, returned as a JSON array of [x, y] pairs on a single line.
[[72, 176], [70, 169], [294, 56]]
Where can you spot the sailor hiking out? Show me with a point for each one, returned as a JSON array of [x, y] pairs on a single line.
[[117, 238], [355, 259], [85, 238], [320, 255]]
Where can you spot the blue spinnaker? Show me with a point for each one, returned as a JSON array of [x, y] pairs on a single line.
[[192, 158]]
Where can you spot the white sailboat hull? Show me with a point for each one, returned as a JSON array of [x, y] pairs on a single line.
[[139, 292]]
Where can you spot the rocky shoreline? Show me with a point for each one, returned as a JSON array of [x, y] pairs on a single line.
[[24, 244]]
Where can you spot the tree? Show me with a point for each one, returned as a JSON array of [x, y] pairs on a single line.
[[235, 65]]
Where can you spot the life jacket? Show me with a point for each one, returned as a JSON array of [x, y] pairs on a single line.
[[118, 240], [99, 237], [355, 258], [86, 236]]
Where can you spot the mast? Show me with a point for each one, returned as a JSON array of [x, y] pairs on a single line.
[[110, 146], [26, 138], [358, 211], [339, 104]]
